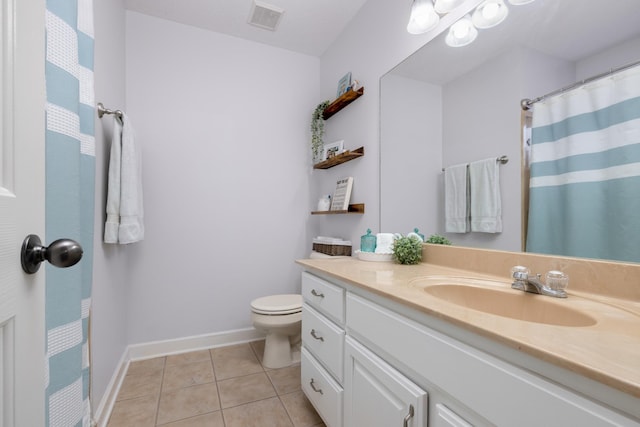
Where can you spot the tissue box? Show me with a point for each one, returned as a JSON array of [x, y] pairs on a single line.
[[332, 246]]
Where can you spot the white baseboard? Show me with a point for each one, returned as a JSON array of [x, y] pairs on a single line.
[[164, 348], [103, 411]]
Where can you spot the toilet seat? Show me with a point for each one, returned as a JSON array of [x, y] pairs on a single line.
[[277, 305]]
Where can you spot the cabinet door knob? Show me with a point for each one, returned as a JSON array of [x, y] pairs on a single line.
[[316, 336], [408, 417], [316, 293], [313, 387]]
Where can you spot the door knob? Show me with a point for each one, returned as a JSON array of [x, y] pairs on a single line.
[[61, 253]]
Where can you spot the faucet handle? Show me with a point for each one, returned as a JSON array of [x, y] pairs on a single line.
[[520, 272]]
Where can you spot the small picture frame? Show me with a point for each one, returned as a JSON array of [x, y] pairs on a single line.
[[332, 149], [344, 84]]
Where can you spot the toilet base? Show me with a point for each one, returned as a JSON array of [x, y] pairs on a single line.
[[281, 350]]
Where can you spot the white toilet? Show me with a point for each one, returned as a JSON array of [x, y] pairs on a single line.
[[280, 317]]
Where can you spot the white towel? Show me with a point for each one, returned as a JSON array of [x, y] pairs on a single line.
[[384, 243], [124, 196], [486, 206], [456, 199]]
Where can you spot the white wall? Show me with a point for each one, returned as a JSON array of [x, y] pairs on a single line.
[[223, 127], [110, 280], [411, 126]]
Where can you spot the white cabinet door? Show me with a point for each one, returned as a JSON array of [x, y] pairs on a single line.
[[376, 395]]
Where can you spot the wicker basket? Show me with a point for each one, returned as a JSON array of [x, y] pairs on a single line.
[[333, 249]]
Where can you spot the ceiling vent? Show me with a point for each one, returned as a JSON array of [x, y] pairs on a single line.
[[265, 16]]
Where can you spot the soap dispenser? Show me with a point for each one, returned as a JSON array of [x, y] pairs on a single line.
[[368, 242], [416, 234]]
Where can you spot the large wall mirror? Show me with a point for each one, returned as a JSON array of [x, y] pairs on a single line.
[[445, 105]]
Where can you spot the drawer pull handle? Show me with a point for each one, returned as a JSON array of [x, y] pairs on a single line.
[[316, 293], [407, 418], [313, 387], [316, 336]]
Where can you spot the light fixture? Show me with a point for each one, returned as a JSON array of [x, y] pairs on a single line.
[[423, 17], [461, 33], [489, 14], [446, 6], [519, 2]]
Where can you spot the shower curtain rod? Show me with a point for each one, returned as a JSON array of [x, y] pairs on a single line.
[[502, 160], [102, 111], [526, 103]]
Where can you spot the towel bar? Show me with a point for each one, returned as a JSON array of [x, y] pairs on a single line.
[[102, 111], [503, 160]]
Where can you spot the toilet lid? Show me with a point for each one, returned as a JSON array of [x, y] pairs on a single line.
[[277, 304]]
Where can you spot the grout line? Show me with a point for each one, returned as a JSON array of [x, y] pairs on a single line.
[[215, 377], [164, 366]]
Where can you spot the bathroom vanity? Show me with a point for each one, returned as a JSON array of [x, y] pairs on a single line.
[[387, 344]]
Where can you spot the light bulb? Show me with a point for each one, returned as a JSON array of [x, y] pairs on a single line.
[[460, 29], [490, 13], [490, 10], [423, 18], [461, 33]]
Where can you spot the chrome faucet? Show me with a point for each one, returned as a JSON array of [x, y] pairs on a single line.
[[524, 282]]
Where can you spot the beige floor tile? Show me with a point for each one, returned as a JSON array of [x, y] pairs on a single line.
[[140, 385], [146, 367], [213, 419], [258, 349], [285, 380], [234, 361], [187, 374], [193, 356], [139, 412], [240, 390], [300, 410], [188, 402], [264, 413]]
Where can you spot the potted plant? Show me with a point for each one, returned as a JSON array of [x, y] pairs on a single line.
[[407, 250], [436, 239], [317, 131]]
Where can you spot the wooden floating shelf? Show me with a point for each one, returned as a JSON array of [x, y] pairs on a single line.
[[357, 208], [341, 102], [340, 158]]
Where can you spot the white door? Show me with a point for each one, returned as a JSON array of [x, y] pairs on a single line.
[[22, 367]]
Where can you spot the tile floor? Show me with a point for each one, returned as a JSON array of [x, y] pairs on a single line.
[[221, 387]]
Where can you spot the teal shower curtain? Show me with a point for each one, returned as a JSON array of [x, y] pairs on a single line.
[[70, 177], [585, 171]]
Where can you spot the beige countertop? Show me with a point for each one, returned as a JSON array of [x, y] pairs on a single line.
[[607, 351]]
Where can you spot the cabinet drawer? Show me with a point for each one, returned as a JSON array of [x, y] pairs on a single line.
[[324, 339], [322, 295], [322, 391]]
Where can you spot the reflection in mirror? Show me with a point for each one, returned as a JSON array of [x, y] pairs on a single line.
[[444, 106]]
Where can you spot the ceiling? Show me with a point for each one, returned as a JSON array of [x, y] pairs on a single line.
[[307, 26]]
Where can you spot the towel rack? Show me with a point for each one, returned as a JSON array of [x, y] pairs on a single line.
[[503, 160], [102, 111]]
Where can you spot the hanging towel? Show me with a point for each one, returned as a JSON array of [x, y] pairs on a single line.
[[124, 196], [456, 199], [486, 206]]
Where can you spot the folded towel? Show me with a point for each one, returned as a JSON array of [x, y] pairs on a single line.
[[124, 196], [456, 199], [486, 206], [384, 243]]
